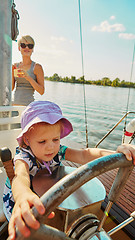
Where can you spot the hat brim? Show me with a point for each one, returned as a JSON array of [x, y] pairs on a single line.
[[48, 119]]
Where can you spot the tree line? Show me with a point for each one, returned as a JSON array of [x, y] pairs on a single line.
[[103, 82]]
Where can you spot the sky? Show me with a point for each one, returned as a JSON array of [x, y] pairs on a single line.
[[108, 37]]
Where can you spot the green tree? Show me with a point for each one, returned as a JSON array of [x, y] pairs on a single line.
[[106, 81], [55, 77], [81, 79], [97, 82], [123, 83], [66, 79], [116, 82], [73, 79]]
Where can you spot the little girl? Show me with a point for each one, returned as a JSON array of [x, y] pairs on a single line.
[[43, 125]]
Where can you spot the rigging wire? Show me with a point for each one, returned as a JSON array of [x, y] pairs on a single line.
[[80, 24], [129, 88], [131, 76]]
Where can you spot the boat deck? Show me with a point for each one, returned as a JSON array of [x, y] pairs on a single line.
[[125, 205], [127, 198]]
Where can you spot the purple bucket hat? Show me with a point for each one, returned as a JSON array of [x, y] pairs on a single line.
[[43, 111]]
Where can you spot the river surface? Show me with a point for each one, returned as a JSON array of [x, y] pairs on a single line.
[[104, 108]]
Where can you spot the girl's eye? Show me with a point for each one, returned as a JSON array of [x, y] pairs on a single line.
[[42, 141], [56, 139]]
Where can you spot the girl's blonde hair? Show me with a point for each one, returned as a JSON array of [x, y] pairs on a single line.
[[26, 38]]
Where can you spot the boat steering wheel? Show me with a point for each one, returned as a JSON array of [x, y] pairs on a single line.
[[70, 183]]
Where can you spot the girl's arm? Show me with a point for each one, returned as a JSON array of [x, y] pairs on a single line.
[[83, 156], [24, 200]]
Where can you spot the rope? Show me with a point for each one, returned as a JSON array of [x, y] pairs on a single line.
[[83, 73], [129, 90], [14, 22]]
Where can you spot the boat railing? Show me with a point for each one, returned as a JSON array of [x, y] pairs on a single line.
[[10, 126], [7, 116], [112, 129]]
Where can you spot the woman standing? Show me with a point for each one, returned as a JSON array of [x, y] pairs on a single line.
[[27, 76]]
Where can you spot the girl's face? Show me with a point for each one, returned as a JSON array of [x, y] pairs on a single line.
[[44, 140]]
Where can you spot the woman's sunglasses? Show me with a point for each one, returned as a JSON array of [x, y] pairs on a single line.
[[30, 46]]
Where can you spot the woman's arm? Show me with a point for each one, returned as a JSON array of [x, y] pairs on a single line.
[[38, 71]]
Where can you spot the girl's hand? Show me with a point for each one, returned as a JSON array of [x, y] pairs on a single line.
[[128, 150], [22, 216]]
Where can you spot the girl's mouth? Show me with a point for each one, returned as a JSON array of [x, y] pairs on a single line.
[[49, 155]]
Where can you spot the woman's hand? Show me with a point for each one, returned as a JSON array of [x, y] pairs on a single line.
[[128, 150], [38, 71], [21, 73], [22, 216]]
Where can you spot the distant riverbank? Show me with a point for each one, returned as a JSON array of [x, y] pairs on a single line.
[[101, 82]]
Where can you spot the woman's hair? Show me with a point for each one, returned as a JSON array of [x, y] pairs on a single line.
[[26, 38]]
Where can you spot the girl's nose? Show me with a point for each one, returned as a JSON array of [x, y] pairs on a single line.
[[49, 146]]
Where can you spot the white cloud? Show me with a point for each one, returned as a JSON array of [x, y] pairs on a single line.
[[59, 39], [106, 27], [129, 36], [52, 51], [71, 41], [112, 17]]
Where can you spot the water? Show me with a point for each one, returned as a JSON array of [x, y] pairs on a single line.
[[105, 107]]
